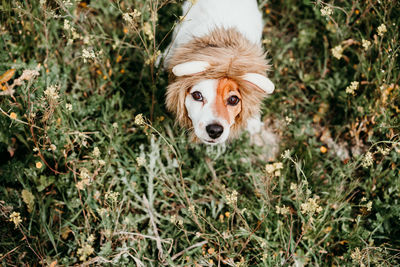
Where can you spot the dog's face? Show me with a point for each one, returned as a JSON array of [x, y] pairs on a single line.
[[212, 106], [216, 106]]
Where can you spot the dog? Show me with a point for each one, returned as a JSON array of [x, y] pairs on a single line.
[[218, 69]]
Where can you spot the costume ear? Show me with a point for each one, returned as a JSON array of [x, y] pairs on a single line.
[[190, 68], [260, 81]]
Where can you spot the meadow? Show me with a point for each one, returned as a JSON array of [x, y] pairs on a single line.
[[94, 171]]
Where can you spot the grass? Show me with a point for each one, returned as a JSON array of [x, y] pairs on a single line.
[[87, 180]]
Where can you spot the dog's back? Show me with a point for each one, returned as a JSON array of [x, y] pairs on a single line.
[[206, 15]]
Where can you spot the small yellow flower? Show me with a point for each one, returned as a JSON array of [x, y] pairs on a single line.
[[85, 251], [15, 217], [356, 255], [91, 238], [352, 87], [13, 115], [84, 173], [269, 168], [293, 186], [192, 209], [68, 106], [326, 11], [337, 51], [368, 160], [366, 44], [88, 54], [231, 199], [284, 210], [96, 152], [311, 206], [173, 219], [39, 165], [139, 120], [148, 30], [112, 196], [140, 161], [51, 92], [382, 29], [369, 206], [323, 149]]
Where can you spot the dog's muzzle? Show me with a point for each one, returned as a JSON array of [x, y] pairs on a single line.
[[214, 130]]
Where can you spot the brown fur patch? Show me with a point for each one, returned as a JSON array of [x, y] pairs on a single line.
[[231, 56], [226, 88]]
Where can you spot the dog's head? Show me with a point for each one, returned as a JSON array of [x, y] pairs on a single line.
[[217, 85]]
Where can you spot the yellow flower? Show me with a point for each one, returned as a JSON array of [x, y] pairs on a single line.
[[148, 30], [382, 29], [39, 165], [140, 161], [85, 251], [368, 160], [284, 210], [231, 199], [356, 255], [51, 92], [15, 217], [311, 206], [337, 51], [269, 168], [326, 11], [13, 115], [369, 206], [91, 238], [139, 120], [366, 44], [96, 152], [293, 186], [352, 87]]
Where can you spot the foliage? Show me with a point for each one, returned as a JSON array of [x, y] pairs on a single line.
[[93, 170]]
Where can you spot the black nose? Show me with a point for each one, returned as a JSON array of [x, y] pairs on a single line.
[[214, 130]]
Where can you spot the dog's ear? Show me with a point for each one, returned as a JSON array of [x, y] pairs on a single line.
[[260, 81], [190, 68]]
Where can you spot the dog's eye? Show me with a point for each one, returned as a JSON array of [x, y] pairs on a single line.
[[233, 100], [197, 96]]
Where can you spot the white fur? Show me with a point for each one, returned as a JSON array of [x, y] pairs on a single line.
[[190, 68], [254, 124], [260, 81], [206, 15], [201, 113]]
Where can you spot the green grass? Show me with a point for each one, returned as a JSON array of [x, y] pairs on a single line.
[[92, 187]]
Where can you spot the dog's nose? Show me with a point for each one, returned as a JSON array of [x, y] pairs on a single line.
[[214, 130]]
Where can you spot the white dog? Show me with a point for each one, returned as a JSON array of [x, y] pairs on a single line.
[[218, 69]]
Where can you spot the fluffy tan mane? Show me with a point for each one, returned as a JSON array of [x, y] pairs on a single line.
[[230, 56]]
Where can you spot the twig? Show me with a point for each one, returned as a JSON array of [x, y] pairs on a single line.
[[23, 122], [157, 238], [11, 251], [143, 236], [189, 248]]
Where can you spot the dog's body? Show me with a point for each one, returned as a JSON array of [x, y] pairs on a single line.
[[218, 68], [206, 15]]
